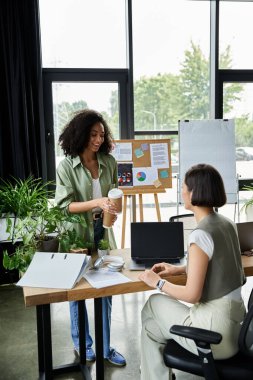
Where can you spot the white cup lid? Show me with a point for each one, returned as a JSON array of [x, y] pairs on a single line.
[[115, 193]]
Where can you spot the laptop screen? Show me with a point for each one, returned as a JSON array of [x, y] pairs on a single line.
[[157, 241], [245, 235]]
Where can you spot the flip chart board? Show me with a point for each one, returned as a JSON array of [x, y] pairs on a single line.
[[210, 142], [143, 164]]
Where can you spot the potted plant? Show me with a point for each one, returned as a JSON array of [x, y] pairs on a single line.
[[248, 204], [37, 233], [18, 198], [103, 247], [70, 241]]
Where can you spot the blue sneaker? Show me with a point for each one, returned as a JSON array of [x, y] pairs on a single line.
[[116, 358], [90, 354]]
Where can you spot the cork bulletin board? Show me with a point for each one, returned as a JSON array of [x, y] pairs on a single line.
[[143, 164]]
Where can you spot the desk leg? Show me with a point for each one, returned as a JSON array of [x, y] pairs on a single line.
[[124, 221], [99, 338], [157, 208], [44, 342]]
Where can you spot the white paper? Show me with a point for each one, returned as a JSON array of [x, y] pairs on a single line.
[[144, 176], [122, 152], [104, 277], [55, 270], [159, 155]]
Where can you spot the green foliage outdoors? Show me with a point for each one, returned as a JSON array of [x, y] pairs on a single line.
[[171, 97]]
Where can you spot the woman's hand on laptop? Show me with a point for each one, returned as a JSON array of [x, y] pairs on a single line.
[[150, 278], [164, 269]]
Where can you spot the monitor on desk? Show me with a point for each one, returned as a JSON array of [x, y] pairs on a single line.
[[245, 235], [155, 242]]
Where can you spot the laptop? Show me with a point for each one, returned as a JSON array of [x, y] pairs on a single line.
[[245, 235], [155, 242]]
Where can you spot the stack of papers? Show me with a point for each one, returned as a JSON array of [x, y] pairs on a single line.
[[55, 270], [104, 277]]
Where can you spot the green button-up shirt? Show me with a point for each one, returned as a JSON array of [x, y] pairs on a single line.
[[74, 184]]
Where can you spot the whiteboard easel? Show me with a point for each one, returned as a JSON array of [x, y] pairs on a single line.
[[210, 142]]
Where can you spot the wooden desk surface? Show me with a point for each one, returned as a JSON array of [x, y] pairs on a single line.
[[83, 290]]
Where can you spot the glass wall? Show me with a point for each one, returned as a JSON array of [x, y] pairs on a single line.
[[83, 33], [171, 47], [235, 30], [69, 98]]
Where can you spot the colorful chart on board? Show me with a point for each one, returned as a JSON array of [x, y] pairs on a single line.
[[141, 176]]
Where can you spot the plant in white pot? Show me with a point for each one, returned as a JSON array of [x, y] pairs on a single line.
[[103, 247], [248, 204]]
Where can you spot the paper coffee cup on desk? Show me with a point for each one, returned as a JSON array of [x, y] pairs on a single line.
[[115, 197]]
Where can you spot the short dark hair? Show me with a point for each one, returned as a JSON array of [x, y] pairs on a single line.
[[206, 185], [76, 134]]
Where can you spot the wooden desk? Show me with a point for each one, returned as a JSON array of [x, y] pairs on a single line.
[[42, 298]]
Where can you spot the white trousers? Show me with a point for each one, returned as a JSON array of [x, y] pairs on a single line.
[[161, 312]]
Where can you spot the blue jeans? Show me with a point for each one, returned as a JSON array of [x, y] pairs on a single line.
[[106, 306]]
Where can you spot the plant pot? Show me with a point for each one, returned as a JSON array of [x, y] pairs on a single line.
[[3, 225], [103, 252], [249, 213], [79, 250], [50, 245]]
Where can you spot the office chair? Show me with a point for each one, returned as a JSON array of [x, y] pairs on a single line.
[[240, 366], [189, 223]]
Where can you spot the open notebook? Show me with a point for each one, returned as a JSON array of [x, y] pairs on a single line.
[[55, 270]]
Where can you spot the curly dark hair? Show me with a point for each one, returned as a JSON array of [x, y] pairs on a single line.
[[206, 185], [76, 134]]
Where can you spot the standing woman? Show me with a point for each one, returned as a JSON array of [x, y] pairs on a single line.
[[214, 280], [83, 181]]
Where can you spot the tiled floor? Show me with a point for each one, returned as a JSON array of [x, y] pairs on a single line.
[[18, 347]]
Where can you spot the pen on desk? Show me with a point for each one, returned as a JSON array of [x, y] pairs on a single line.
[[65, 256], [52, 256]]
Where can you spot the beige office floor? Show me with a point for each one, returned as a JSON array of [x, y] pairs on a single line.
[[18, 345]]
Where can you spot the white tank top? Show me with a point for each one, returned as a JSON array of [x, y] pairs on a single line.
[[96, 192]]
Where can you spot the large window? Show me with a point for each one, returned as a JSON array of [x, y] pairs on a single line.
[[240, 109], [69, 98], [236, 29], [163, 67], [83, 33], [171, 41]]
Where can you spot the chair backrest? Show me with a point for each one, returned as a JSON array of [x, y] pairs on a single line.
[[189, 223], [246, 334]]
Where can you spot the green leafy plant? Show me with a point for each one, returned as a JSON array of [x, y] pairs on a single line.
[[19, 197], [103, 244], [32, 231], [248, 202], [70, 240]]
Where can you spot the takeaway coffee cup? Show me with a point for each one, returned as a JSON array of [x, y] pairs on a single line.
[[115, 196]]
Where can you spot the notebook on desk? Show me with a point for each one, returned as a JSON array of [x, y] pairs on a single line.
[[155, 242], [245, 235]]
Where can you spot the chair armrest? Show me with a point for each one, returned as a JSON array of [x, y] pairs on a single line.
[[203, 338]]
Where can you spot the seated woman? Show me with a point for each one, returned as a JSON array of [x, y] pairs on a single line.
[[214, 279]]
